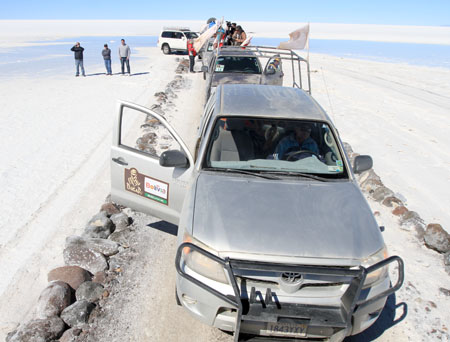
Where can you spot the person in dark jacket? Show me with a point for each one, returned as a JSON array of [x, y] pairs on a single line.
[[78, 52], [106, 53]]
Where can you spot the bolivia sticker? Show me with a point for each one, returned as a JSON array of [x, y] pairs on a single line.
[[146, 186], [219, 68]]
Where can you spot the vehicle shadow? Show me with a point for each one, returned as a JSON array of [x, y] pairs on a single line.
[[383, 323], [165, 227]]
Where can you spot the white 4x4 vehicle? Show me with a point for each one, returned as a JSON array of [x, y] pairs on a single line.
[[175, 39]]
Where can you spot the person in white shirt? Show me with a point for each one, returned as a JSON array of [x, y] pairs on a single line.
[[124, 56]]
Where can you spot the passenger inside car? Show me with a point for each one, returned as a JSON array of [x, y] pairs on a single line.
[[270, 144]]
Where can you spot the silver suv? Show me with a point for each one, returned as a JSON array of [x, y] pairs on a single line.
[[172, 39], [275, 237]]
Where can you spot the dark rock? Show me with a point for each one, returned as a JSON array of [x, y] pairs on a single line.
[[381, 193], [110, 208], [410, 220], [103, 246], [437, 238], [77, 314], [100, 226], [400, 211], [39, 330], [53, 299], [120, 260], [72, 275], [70, 335], [99, 277], [445, 292], [392, 201], [371, 185], [447, 259], [122, 237], [89, 291], [120, 221], [83, 257]]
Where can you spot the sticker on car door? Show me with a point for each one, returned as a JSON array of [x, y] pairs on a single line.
[[146, 186]]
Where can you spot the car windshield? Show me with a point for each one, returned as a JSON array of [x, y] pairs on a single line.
[[237, 64], [272, 145], [191, 35]]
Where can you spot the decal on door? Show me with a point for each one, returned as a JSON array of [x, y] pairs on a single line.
[[146, 186]]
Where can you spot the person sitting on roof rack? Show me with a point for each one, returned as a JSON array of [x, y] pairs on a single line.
[[239, 36]]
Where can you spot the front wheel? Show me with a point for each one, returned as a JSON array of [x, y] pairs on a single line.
[[166, 49]]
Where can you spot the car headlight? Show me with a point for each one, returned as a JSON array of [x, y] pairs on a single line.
[[376, 275], [200, 263]]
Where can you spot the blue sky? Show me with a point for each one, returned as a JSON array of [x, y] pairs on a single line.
[[392, 12]]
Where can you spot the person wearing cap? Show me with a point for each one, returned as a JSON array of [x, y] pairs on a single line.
[[274, 73], [239, 36], [106, 53], [299, 140]]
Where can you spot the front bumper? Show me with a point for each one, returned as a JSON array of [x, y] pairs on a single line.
[[254, 312]]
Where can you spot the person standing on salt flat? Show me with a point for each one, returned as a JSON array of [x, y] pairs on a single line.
[[124, 55], [78, 52]]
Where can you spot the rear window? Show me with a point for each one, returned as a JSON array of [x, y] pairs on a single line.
[[191, 35], [234, 64]]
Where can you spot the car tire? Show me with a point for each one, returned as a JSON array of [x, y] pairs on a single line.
[[176, 297], [166, 49]]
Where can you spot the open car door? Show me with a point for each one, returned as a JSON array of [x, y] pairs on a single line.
[[141, 137]]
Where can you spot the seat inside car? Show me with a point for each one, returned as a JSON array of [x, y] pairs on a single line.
[[233, 143]]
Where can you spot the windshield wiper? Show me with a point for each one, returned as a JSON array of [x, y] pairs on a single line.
[[303, 175], [243, 172]]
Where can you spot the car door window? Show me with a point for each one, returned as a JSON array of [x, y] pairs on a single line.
[[144, 133]]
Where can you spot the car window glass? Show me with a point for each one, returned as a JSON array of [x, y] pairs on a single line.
[[191, 35], [166, 34], [145, 133], [274, 145], [177, 35], [233, 64]]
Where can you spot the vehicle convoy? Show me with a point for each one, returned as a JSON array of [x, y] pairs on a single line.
[[275, 237], [174, 39], [243, 65]]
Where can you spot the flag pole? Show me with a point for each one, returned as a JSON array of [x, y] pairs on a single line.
[[307, 42]]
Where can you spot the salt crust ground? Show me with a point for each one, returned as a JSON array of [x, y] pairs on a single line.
[[55, 167]]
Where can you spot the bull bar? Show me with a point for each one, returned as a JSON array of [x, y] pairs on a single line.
[[268, 310]]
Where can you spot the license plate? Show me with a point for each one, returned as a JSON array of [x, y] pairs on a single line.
[[286, 329]]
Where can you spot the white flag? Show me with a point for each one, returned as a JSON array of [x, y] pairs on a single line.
[[247, 41], [297, 40], [200, 41]]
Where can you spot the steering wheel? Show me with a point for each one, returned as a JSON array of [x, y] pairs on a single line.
[[296, 154]]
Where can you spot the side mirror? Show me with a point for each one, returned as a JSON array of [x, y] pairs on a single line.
[[269, 71], [173, 158], [204, 68], [362, 163]]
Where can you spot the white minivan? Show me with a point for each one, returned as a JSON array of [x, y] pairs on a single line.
[[175, 39]]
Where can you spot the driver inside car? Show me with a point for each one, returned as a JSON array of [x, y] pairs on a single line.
[[298, 140]]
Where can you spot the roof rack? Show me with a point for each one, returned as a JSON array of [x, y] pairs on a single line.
[[269, 52], [176, 28]]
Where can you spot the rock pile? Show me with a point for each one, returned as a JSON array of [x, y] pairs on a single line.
[[75, 291], [432, 235], [94, 261]]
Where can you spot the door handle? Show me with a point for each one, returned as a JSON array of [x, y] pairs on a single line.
[[120, 161]]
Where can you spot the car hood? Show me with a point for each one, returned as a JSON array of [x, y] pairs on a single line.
[[235, 78], [287, 217]]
